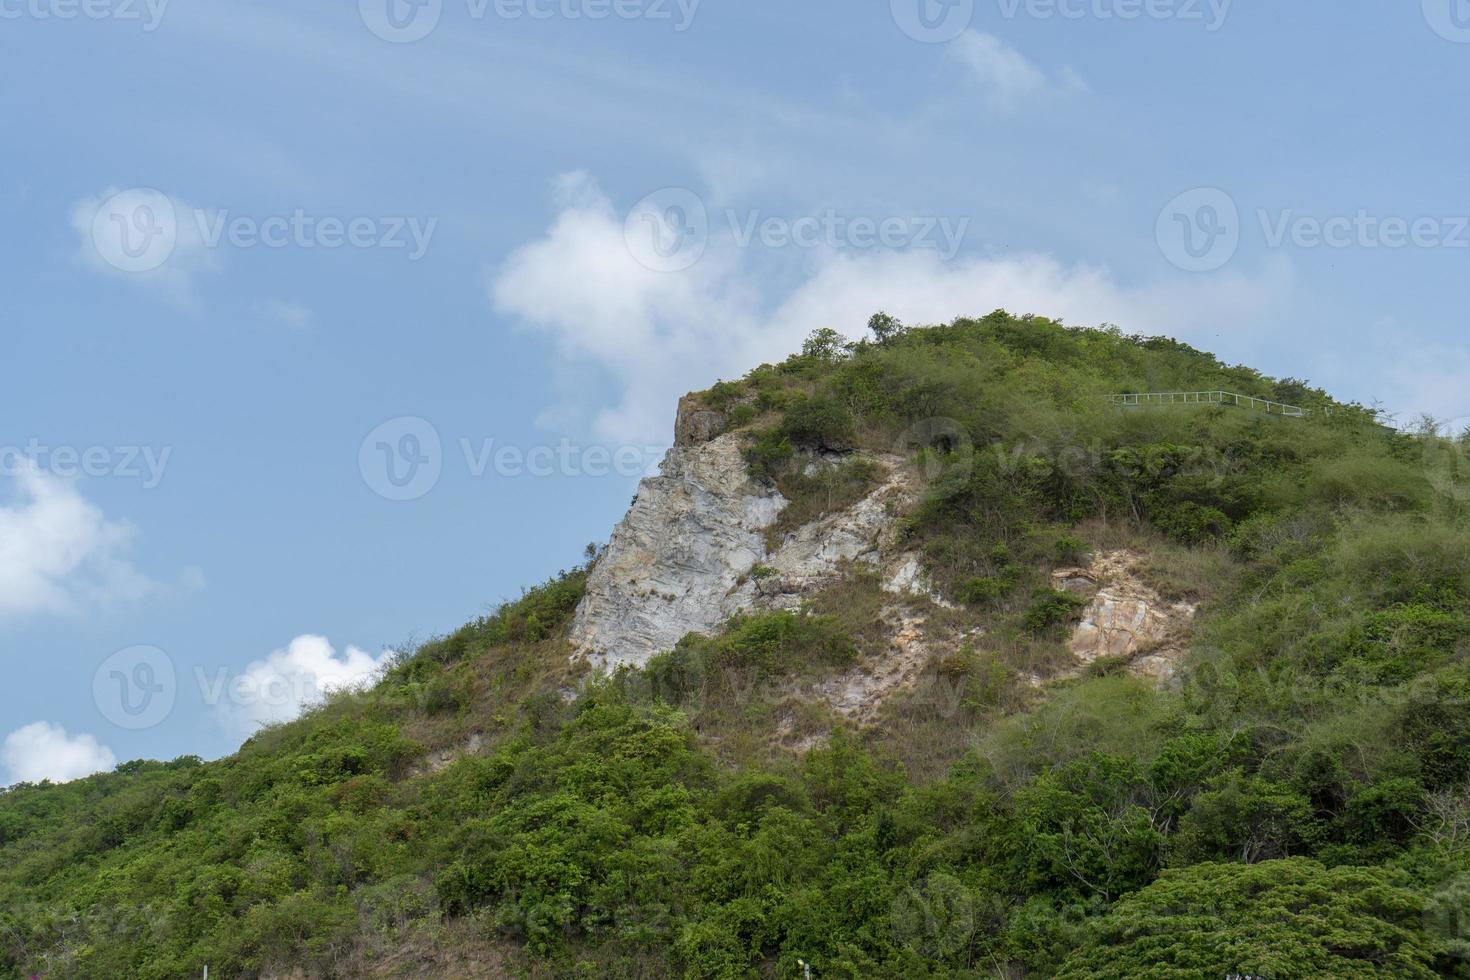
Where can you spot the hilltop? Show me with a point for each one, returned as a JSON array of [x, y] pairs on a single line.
[[920, 658]]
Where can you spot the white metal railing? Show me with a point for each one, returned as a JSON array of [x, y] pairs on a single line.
[[1211, 398]]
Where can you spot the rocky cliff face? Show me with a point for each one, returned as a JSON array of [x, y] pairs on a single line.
[[692, 552], [694, 533]]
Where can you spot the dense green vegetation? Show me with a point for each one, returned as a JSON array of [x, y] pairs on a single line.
[[1298, 805]]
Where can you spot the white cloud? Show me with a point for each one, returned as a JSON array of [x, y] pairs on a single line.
[[59, 552], [658, 334], [284, 684], [45, 751], [1007, 77], [146, 237]]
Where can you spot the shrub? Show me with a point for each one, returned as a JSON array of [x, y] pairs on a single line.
[[983, 589], [819, 423], [742, 415], [781, 643], [1051, 608], [1192, 523], [767, 455]]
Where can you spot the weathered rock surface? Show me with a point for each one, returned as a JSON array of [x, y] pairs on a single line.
[[696, 424], [685, 558], [1127, 619], [693, 533]]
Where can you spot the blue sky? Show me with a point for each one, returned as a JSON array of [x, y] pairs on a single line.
[[327, 329]]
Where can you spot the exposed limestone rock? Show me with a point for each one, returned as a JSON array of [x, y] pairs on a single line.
[[694, 532], [1127, 619], [686, 557], [906, 575]]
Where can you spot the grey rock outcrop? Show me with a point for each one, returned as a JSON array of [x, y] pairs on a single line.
[[684, 560], [693, 532]]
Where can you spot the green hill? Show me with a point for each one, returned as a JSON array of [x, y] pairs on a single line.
[[1294, 802]]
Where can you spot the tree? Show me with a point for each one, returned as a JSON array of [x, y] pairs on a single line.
[[885, 327], [825, 344], [1249, 819]]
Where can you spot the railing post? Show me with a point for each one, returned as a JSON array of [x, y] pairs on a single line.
[[1217, 397]]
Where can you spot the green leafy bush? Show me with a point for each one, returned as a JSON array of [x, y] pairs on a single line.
[[819, 423], [1051, 608], [1278, 919]]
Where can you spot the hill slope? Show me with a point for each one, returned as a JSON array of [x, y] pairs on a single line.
[[983, 677]]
